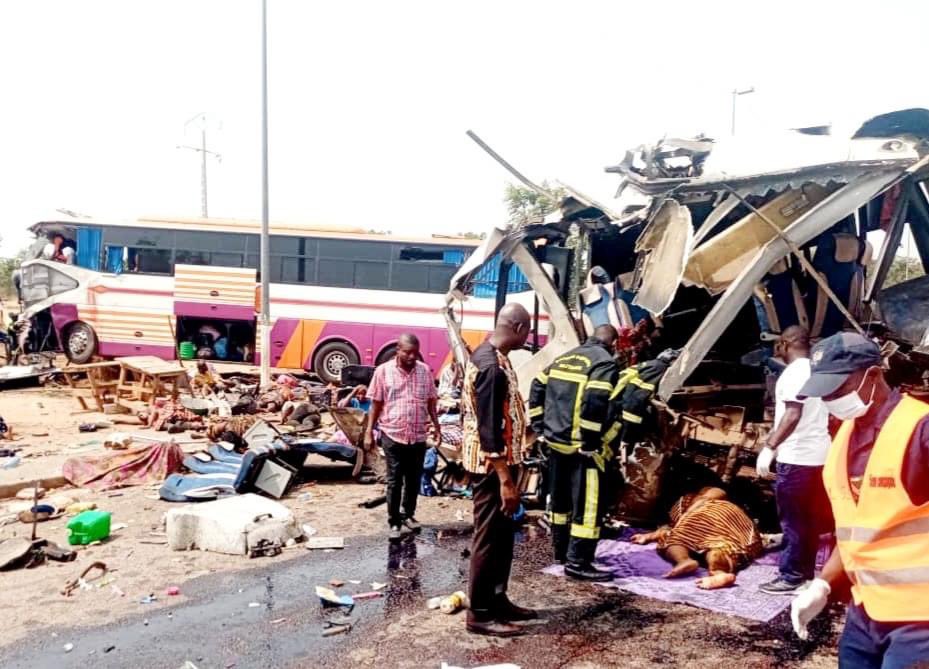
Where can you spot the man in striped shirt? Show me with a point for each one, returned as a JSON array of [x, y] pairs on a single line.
[[403, 406]]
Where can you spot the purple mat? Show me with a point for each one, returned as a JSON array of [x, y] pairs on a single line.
[[639, 570]]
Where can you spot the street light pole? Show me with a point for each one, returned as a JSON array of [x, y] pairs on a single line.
[[736, 93], [265, 320]]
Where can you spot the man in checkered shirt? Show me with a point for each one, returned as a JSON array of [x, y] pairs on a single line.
[[403, 406]]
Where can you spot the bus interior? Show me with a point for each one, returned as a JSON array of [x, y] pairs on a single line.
[[717, 247]]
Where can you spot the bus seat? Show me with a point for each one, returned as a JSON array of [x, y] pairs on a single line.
[[840, 259], [598, 306], [779, 301]]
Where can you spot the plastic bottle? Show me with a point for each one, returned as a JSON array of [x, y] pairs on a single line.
[[9, 463], [453, 602], [89, 526]]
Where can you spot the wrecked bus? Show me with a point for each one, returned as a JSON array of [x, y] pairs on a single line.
[[715, 247]]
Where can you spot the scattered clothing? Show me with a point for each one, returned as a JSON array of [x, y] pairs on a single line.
[[135, 466]]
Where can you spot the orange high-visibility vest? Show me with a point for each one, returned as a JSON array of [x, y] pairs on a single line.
[[883, 539]]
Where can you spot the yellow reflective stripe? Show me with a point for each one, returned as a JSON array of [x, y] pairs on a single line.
[[600, 385], [591, 425], [558, 518], [642, 384], [564, 448], [542, 378], [631, 417], [536, 411], [582, 532], [562, 375], [599, 461], [624, 378], [591, 496], [576, 419], [613, 432]]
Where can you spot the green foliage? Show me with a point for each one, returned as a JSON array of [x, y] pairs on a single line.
[[473, 235], [903, 269], [7, 267], [525, 205]]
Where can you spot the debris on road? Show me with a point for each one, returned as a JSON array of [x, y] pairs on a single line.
[[328, 597], [325, 542]]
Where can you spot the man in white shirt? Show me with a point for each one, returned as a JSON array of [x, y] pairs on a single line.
[[800, 440]]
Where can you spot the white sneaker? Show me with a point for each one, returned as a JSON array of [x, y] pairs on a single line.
[[412, 525]]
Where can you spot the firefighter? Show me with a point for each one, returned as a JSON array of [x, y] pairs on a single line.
[[568, 408]]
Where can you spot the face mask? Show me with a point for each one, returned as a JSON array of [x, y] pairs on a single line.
[[850, 406]]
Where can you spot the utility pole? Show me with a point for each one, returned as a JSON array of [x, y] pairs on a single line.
[[735, 94], [202, 150], [265, 319]]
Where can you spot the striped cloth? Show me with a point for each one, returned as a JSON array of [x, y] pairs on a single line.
[[702, 525]]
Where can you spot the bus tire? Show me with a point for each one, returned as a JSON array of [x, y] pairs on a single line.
[[388, 354], [80, 343], [331, 358]]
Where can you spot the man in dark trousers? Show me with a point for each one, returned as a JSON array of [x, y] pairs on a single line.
[[568, 407], [799, 442], [403, 407], [877, 478], [494, 423]]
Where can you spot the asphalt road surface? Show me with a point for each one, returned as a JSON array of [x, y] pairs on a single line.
[[270, 617]]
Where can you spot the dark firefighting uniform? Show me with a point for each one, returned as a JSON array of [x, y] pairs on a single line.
[[569, 407], [630, 402]]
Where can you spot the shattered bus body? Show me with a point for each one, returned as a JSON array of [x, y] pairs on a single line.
[[718, 246]]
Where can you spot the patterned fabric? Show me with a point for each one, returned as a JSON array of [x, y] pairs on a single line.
[[514, 418], [406, 396], [146, 464], [169, 412], [713, 524]]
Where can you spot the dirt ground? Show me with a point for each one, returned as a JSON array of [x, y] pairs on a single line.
[[138, 560], [141, 564]]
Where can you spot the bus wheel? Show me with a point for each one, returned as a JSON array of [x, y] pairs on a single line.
[[80, 343], [331, 358], [387, 355]]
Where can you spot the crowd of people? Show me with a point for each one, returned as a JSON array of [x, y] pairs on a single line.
[[866, 486]]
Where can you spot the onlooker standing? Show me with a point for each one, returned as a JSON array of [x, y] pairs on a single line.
[[494, 422], [800, 441], [403, 405]]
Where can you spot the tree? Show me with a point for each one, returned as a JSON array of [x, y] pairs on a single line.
[[526, 205], [902, 269], [7, 267], [473, 235]]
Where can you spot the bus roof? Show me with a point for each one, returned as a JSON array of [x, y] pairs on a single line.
[[254, 227]]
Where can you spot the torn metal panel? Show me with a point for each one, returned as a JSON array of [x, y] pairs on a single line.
[[498, 240], [835, 207], [561, 335], [775, 161], [905, 309], [720, 211], [662, 249], [717, 263]]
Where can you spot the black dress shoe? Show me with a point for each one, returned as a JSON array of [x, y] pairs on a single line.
[[510, 612], [587, 573], [494, 628]]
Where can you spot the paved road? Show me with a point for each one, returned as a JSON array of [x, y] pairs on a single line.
[[587, 627]]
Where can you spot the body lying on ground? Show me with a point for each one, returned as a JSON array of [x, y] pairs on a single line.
[[705, 526]]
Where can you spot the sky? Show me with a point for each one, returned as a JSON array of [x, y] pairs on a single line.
[[369, 101]]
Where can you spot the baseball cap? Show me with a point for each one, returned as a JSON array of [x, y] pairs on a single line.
[[835, 358]]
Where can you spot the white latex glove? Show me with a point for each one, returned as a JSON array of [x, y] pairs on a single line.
[[763, 466], [807, 605]]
